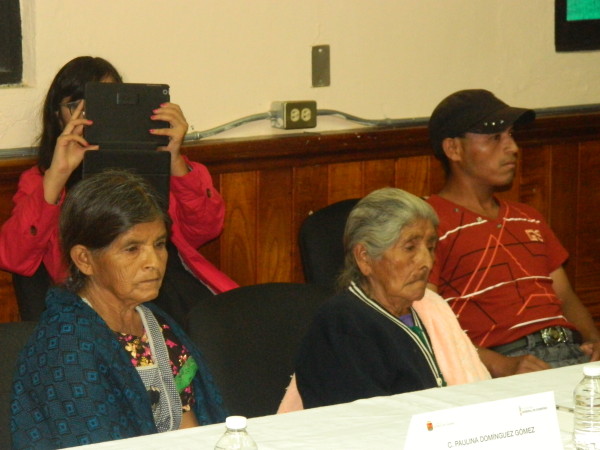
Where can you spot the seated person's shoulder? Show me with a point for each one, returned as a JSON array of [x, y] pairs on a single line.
[[344, 314], [440, 204], [31, 175], [339, 307]]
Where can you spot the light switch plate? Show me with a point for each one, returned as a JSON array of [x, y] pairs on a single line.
[[321, 70]]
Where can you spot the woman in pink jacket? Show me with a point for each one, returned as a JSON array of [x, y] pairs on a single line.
[[29, 238]]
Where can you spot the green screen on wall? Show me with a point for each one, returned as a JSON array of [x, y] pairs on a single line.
[[583, 10], [577, 25]]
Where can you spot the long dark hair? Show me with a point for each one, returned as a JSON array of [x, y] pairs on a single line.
[[100, 208], [69, 82]]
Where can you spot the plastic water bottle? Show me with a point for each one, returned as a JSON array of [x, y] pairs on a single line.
[[586, 432], [236, 436]]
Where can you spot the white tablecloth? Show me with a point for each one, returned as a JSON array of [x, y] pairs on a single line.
[[376, 423]]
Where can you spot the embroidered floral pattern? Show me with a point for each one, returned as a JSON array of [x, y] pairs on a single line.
[[141, 356]]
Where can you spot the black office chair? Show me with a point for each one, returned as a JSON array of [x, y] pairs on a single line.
[[250, 336], [13, 336], [30, 293], [321, 243]]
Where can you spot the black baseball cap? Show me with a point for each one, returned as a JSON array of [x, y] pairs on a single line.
[[472, 111]]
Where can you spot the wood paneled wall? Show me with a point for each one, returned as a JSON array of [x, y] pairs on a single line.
[[270, 184]]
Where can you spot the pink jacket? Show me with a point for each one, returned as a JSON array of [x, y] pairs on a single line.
[[30, 236]]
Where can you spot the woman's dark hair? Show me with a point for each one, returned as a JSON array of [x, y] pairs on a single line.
[[69, 82], [100, 208]]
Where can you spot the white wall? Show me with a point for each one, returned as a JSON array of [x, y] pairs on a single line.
[[226, 59]]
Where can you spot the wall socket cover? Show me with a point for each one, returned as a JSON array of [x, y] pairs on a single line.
[[321, 71], [294, 114]]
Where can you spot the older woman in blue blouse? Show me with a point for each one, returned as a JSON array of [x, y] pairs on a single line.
[[103, 362]]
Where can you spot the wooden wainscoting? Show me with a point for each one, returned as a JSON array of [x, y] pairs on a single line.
[[271, 184]]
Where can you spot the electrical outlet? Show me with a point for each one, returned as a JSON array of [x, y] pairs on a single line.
[[291, 115]]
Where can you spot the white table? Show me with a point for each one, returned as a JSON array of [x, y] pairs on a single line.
[[376, 423]]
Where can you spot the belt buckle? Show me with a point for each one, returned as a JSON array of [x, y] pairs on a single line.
[[553, 335]]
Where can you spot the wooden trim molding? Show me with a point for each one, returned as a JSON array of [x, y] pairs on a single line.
[[272, 183], [246, 154]]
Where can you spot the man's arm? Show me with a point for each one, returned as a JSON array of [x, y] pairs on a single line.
[[501, 366], [576, 313]]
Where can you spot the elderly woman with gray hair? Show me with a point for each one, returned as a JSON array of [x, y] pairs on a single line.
[[383, 333]]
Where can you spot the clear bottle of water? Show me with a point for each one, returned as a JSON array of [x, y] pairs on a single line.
[[586, 433], [236, 436]]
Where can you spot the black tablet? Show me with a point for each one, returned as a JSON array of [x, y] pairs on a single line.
[[121, 115], [154, 166]]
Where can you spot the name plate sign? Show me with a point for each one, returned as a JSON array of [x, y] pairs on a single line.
[[523, 422]]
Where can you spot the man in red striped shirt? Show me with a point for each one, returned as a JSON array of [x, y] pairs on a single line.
[[498, 263]]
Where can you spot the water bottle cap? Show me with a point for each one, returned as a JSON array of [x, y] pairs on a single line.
[[591, 370], [235, 422]]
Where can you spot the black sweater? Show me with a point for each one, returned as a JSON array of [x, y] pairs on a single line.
[[353, 351]]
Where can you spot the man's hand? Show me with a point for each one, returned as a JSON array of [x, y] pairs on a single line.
[[502, 366], [576, 313], [592, 349], [525, 364]]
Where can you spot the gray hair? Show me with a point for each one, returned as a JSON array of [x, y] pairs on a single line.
[[376, 222]]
